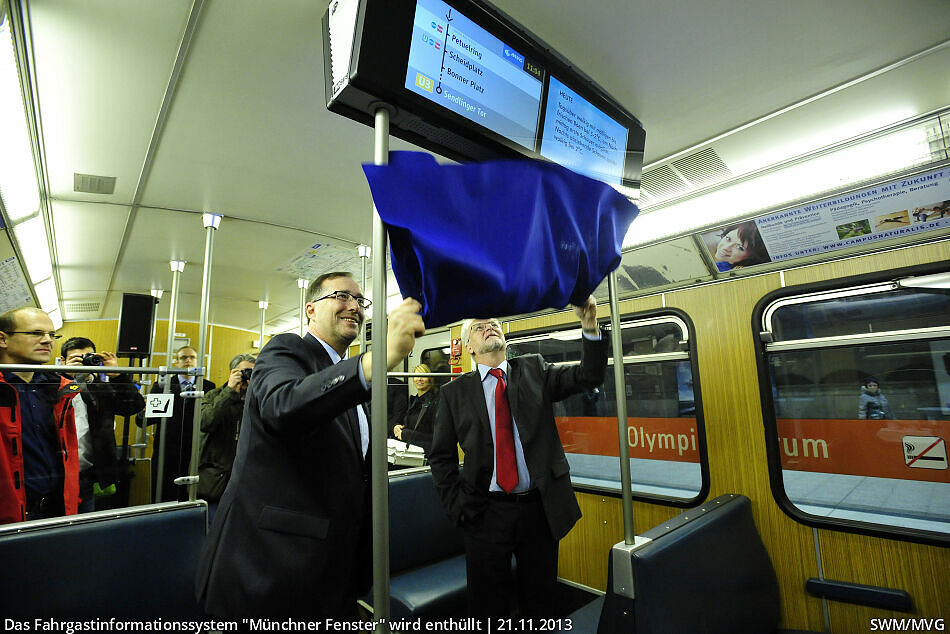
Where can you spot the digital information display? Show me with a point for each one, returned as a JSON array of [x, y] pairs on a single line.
[[580, 137], [460, 66]]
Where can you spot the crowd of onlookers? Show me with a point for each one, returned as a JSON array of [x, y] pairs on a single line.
[[64, 458], [59, 452]]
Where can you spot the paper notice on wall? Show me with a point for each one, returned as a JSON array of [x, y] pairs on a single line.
[[14, 291], [320, 258]]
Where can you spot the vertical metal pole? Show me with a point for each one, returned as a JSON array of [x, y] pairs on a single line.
[[380, 477], [157, 293], [364, 252], [263, 306], [211, 222], [177, 266], [302, 284], [141, 433], [617, 344]]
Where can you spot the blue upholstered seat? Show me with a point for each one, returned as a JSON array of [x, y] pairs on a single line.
[[426, 564], [436, 590], [135, 563]]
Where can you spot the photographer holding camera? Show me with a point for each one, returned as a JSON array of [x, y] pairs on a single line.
[[103, 396], [221, 412]]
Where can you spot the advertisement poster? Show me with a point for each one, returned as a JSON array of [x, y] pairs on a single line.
[[894, 209]]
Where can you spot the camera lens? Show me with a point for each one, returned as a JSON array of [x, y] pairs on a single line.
[[246, 375], [91, 358]]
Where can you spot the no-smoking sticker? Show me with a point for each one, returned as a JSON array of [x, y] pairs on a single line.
[[925, 452]]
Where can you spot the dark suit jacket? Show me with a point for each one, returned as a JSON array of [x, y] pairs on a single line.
[[104, 401], [179, 430], [533, 387], [291, 534]]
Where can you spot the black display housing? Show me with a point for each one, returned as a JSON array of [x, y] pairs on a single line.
[[376, 77]]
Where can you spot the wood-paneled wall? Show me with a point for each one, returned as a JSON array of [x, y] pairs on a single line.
[[725, 340], [735, 436], [919, 569], [224, 342]]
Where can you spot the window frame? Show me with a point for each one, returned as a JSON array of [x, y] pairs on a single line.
[[639, 319], [766, 307]]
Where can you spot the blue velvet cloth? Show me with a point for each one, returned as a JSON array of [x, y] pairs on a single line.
[[496, 238]]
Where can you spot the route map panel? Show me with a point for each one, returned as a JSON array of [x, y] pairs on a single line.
[[458, 65]]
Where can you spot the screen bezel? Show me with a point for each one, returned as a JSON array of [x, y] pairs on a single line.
[[381, 59], [543, 120], [533, 146]]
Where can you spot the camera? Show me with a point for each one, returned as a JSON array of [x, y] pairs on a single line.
[[246, 375], [91, 358]]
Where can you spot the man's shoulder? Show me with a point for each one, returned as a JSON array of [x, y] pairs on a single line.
[[456, 385], [524, 361], [284, 343], [283, 340], [289, 348]]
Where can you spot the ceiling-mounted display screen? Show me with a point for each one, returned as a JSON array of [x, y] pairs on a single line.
[[464, 80], [462, 67], [580, 136]]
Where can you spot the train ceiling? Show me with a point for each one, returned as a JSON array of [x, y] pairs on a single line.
[[235, 121]]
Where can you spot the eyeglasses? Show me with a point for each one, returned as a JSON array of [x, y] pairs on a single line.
[[35, 333], [343, 296], [494, 325]]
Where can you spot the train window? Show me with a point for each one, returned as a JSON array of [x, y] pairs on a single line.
[[860, 390], [665, 436]]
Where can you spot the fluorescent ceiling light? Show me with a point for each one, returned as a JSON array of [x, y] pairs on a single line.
[[31, 236], [56, 317], [813, 140], [937, 280], [18, 188], [884, 155], [46, 294], [566, 335]]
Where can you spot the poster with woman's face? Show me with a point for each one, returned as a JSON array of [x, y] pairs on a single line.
[[736, 246]]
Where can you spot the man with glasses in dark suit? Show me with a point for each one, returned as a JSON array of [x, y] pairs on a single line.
[[513, 496], [39, 454], [291, 536]]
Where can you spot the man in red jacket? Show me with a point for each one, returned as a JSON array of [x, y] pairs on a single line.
[[39, 456]]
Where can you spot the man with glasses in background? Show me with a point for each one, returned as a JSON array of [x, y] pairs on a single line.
[[179, 429], [514, 494], [291, 537], [39, 457]]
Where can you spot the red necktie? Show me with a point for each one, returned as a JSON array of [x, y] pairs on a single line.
[[505, 466]]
